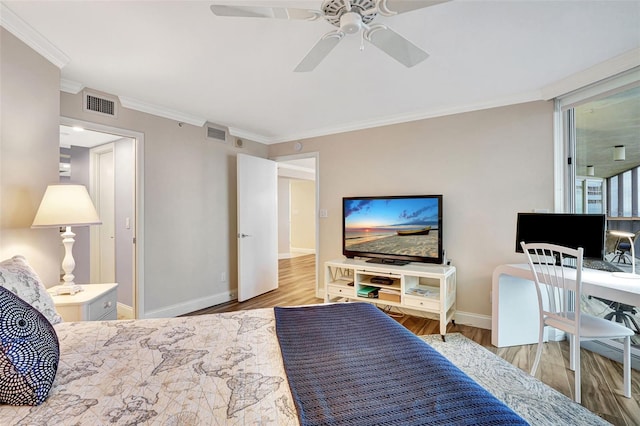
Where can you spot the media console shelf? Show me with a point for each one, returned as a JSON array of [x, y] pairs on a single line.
[[422, 287]]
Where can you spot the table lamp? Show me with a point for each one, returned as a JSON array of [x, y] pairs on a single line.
[[66, 205], [630, 236]]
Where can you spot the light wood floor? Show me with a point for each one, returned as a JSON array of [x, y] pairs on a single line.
[[601, 377]]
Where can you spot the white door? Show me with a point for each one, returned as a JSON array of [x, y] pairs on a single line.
[[257, 226], [103, 269]]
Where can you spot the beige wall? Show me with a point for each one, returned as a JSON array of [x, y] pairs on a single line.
[[30, 109], [488, 165], [189, 209], [303, 213], [284, 227]]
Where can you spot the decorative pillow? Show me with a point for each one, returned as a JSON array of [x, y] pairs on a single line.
[[29, 352], [18, 277]]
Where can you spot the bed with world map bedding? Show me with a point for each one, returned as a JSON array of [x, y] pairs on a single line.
[[331, 364], [345, 363]]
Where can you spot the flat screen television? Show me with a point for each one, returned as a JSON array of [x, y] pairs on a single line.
[[393, 229], [565, 229]]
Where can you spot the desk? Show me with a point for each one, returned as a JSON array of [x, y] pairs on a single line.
[[515, 303]]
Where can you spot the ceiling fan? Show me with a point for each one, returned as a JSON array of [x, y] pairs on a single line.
[[351, 17]]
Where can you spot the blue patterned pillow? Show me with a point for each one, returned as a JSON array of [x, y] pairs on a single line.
[[29, 352]]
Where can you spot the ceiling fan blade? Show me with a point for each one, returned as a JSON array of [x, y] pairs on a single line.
[[319, 51], [394, 7], [264, 12], [394, 45]]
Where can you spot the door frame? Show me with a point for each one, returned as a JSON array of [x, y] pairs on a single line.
[[138, 176], [316, 155]]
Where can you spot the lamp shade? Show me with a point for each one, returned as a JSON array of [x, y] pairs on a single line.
[[619, 153], [66, 205]]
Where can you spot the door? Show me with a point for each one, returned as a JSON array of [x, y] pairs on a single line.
[[257, 226], [103, 269]]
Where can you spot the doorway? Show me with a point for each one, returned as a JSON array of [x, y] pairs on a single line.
[[106, 160], [298, 195]]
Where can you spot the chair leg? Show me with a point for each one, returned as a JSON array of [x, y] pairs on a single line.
[[626, 365], [578, 391], [538, 350], [573, 348], [637, 330]]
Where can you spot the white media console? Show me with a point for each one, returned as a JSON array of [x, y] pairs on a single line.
[[422, 287]]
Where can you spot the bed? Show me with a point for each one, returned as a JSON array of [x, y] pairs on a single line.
[[344, 363]]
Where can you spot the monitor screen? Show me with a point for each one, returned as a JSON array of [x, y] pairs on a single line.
[[565, 229]]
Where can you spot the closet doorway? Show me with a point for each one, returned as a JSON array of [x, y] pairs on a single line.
[[105, 161]]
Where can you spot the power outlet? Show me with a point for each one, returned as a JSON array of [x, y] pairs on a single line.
[[223, 277]]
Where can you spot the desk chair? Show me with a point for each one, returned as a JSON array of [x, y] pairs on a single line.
[[622, 313], [559, 306], [622, 250]]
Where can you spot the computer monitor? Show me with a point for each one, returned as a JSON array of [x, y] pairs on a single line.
[[564, 229]]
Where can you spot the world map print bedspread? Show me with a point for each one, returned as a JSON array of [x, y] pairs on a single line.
[[222, 369]]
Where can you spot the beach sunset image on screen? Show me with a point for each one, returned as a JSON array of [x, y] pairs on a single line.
[[393, 226]]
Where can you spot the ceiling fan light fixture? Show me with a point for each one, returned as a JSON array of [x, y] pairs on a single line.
[[350, 22], [349, 17]]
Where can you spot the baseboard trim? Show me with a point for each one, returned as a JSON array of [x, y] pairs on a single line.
[[474, 320], [303, 250], [190, 306], [125, 311]]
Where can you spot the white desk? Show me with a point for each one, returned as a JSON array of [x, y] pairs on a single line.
[[515, 303]]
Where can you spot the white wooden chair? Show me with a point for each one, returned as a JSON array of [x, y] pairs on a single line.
[[559, 289]]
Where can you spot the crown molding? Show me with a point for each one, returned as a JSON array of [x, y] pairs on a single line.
[[405, 118], [160, 111], [70, 86], [598, 72], [19, 28], [244, 134]]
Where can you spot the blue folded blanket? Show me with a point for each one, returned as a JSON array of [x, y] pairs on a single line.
[[350, 364]]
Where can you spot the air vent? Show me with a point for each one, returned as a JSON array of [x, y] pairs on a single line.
[[99, 104], [216, 132]]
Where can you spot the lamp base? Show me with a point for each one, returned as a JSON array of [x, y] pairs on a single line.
[[626, 275], [68, 289]]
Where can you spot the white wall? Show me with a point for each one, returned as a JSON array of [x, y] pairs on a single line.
[[29, 154], [488, 165]]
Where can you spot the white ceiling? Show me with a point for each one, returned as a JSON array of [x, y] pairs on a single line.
[[238, 72], [77, 136]]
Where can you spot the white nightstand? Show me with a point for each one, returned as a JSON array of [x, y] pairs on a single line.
[[96, 302]]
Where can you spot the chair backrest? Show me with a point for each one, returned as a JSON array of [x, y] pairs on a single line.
[[558, 285]]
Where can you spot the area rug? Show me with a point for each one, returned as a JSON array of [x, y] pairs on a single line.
[[534, 401]]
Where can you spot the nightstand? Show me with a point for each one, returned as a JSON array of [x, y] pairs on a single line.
[[96, 302]]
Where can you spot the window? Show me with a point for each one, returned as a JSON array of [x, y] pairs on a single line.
[[601, 128]]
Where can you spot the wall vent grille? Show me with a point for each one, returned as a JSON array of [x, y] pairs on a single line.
[[99, 104], [216, 132]]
